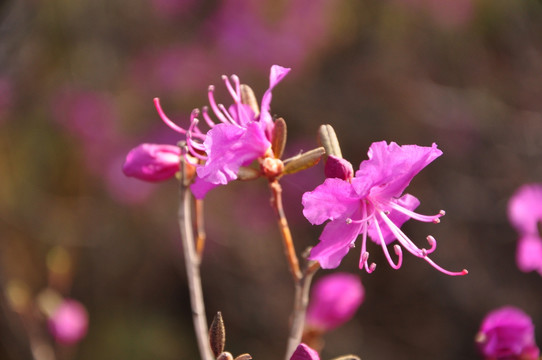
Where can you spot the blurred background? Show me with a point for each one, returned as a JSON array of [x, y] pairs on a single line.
[[77, 79]]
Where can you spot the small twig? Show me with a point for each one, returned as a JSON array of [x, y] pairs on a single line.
[[200, 229], [285, 233], [192, 268]]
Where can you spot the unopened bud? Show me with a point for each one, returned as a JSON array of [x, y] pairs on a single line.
[[217, 335], [303, 161], [278, 141], [244, 357], [248, 98], [247, 173], [328, 139], [338, 168]]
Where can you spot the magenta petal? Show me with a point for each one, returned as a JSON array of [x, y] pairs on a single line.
[[335, 242], [200, 188], [335, 198], [407, 201], [392, 167], [276, 75], [152, 162], [529, 253], [304, 352], [338, 168], [525, 208], [228, 147]]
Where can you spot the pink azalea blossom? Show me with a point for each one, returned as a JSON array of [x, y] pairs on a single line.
[[524, 213], [372, 203], [152, 162], [240, 137], [304, 352], [507, 333], [69, 322], [334, 300]]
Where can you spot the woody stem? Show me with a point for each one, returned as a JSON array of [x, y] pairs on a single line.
[[191, 260]]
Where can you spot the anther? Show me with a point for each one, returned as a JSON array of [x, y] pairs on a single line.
[[442, 212], [348, 221], [436, 221]]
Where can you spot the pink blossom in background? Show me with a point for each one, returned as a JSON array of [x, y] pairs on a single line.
[[69, 322], [524, 213], [304, 352], [372, 203], [334, 300], [125, 190], [507, 333]]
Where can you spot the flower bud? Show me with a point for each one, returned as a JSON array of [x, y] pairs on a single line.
[[152, 162], [69, 322], [507, 333], [338, 168], [304, 352], [334, 300]]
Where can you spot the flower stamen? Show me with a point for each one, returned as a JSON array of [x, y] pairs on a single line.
[[165, 119]]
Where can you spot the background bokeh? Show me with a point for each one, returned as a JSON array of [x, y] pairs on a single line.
[[77, 80]]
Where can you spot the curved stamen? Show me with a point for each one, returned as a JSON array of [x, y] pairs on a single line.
[[227, 114], [193, 146], [416, 216], [207, 118], [451, 273], [385, 249], [432, 243], [235, 95], [365, 219], [165, 119], [212, 102], [401, 237]]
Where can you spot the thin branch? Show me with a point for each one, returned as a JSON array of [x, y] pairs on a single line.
[[301, 301], [200, 229], [285, 233], [192, 268]]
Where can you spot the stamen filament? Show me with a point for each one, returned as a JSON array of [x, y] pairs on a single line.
[[235, 95], [385, 249], [212, 102], [207, 118], [416, 216], [165, 119], [401, 237], [451, 273]]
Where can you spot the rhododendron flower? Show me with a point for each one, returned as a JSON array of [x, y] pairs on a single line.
[[69, 322], [242, 135], [372, 203], [507, 333], [334, 300], [304, 352], [525, 212], [152, 162]]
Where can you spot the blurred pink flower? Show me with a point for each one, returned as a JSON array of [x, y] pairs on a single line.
[[152, 162], [304, 352], [507, 333], [334, 300], [69, 322], [372, 203], [524, 213]]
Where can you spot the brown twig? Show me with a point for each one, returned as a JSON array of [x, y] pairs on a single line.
[[289, 249], [192, 268], [200, 229]]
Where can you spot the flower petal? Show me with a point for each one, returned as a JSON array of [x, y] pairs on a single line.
[[200, 187], [335, 198], [335, 242], [525, 208], [529, 253], [304, 352], [275, 76], [228, 147], [392, 167]]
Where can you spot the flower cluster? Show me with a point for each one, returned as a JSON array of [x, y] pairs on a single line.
[[371, 203], [507, 333], [525, 212], [241, 135]]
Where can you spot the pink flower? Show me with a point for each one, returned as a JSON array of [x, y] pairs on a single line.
[[69, 322], [372, 203], [525, 212], [240, 137], [334, 300], [304, 352], [507, 333], [152, 162]]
